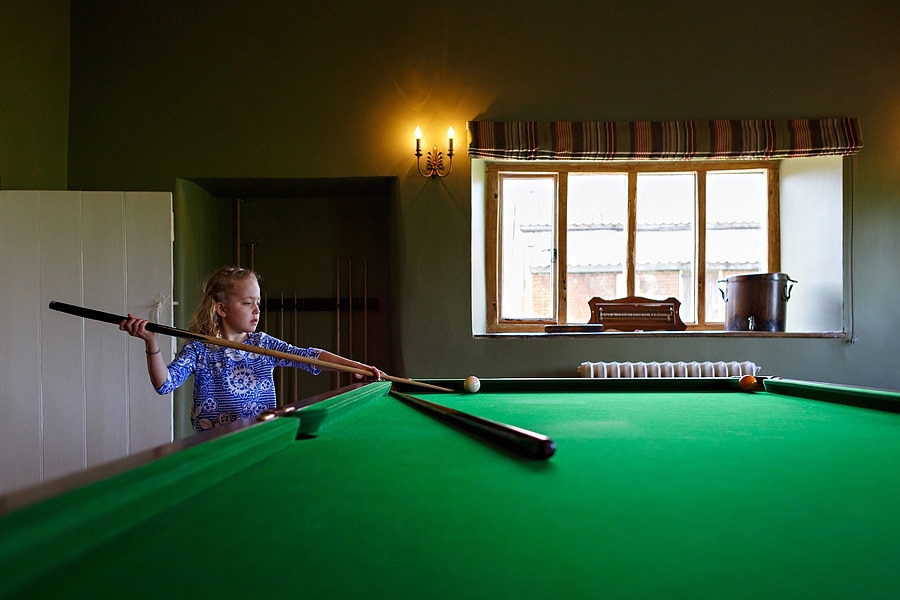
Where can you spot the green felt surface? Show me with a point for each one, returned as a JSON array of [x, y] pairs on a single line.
[[38, 539], [703, 494]]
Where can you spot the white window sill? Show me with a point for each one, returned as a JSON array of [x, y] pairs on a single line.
[[676, 334]]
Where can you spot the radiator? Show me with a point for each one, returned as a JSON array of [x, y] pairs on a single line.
[[667, 369]]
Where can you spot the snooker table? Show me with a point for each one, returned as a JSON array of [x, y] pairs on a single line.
[[659, 488]]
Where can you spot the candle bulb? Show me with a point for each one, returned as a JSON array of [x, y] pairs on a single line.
[[437, 164]]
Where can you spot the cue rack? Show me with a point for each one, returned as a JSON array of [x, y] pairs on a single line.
[[283, 315]]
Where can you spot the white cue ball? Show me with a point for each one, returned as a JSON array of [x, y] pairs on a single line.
[[471, 384]]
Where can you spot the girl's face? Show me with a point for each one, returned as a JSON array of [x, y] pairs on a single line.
[[240, 314]]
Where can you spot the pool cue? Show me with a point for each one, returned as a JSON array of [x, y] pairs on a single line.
[[521, 441], [237, 229], [295, 336], [279, 393], [350, 308], [98, 315], [337, 313], [365, 310]]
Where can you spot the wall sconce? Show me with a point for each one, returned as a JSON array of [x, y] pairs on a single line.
[[434, 163]]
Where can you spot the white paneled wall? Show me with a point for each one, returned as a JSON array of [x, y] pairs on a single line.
[[75, 393]]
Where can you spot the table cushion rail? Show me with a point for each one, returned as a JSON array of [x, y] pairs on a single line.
[[39, 538]]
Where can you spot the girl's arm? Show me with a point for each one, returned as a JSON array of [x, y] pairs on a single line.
[[156, 366], [340, 360]]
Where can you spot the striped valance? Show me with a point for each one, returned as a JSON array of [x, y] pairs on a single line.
[[663, 140]]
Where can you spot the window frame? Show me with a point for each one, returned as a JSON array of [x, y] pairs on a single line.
[[493, 170]]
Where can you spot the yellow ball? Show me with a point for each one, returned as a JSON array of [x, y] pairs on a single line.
[[471, 384]]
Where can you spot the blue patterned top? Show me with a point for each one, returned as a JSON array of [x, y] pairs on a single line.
[[231, 384]]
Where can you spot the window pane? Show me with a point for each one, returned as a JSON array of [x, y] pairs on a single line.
[[527, 290], [665, 239], [596, 250], [736, 231]]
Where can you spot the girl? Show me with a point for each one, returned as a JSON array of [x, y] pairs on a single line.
[[229, 384]]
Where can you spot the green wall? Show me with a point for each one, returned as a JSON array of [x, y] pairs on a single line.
[[162, 91], [34, 94]]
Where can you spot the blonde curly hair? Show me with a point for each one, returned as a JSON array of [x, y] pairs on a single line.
[[218, 287]]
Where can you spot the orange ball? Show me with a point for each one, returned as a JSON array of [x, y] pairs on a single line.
[[747, 383]]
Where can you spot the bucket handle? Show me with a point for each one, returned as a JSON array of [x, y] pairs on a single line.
[[787, 289]]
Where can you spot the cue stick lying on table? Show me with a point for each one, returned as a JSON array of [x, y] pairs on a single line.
[[106, 317], [521, 441]]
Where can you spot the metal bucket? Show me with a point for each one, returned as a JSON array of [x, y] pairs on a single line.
[[756, 302]]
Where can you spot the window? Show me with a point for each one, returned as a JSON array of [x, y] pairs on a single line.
[[559, 234]]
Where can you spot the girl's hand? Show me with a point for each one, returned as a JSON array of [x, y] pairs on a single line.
[[375, 373], [137, 327]]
